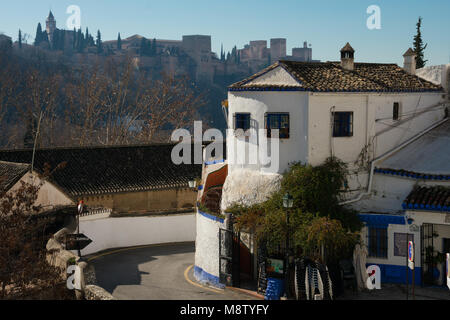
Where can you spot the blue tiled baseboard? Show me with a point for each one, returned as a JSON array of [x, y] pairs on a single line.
[[205, 278]]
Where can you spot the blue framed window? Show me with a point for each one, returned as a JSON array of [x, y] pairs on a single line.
[[278, 121], [242, 121], [378, 242], [343, 124]]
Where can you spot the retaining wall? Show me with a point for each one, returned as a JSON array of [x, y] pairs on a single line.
[[112, 233]]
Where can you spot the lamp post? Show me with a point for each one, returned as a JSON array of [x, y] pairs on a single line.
[[192, 183], [288, 203]]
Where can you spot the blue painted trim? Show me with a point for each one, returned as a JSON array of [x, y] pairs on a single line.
[[422, 207], [208, 163], [397, 274], [382, 219], [211, 217], [412, 175], [206, 278]]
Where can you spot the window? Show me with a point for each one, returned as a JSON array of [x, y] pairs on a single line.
[[242, 121], [378, 242], [278, 121], [343, 124], [401, 245], [396, 111]]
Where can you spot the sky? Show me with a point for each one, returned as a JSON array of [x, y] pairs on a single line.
[[326, 24]]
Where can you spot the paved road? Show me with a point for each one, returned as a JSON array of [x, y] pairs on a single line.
[[154, 273]]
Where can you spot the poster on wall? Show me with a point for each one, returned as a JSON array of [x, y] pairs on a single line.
[[275, 266]]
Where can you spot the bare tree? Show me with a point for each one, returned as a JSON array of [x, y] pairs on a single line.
[[24, 271]]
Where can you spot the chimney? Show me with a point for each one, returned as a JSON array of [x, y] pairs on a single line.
[[410, 61], [348, 57]]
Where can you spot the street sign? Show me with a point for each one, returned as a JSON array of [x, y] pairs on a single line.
[[77, 241], [448, 270], [411, 255]]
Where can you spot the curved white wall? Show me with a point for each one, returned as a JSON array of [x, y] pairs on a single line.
[[207, 249], [112, 233]]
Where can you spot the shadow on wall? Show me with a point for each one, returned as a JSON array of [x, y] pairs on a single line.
[[122, 268]]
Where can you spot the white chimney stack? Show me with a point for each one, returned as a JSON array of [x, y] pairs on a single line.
[[410, 61], [348, 57]]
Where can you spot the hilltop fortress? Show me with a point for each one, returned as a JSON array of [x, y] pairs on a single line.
[[191, 55]]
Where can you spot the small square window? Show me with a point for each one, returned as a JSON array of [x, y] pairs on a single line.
[[343, 124], [396, 111], [278, 121], [242, 121]]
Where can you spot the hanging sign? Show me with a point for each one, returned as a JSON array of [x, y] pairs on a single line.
[[411, 255]]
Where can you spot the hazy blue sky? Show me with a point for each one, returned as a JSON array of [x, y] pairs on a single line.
[[326, 24]]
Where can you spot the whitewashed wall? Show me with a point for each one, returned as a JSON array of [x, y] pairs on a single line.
[[112, 233], [207, 250], [257, 104], [372, 115], [389, 192]]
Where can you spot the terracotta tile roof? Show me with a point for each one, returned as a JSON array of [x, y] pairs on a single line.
[[428, 198], [106, 170], [331, 77], [10, 173]]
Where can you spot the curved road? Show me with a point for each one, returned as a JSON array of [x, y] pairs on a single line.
[[154, 273]]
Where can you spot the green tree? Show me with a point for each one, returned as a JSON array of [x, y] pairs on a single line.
[[317, 222], [419, 47]]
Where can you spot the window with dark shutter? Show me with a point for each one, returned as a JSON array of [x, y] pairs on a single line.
[[343, 124], [278, 121], [242, 121]]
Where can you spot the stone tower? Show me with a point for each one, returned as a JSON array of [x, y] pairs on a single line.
[[51, 26]]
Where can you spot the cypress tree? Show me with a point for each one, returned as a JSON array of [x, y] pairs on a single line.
[[99, 42], [20, 39], [154, 48], [39, 34], [74, 43], [419, 47], [119, 43]]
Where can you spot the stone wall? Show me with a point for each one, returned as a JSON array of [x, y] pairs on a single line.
[[57, 256]]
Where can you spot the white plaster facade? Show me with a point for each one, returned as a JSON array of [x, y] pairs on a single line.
[[311, 123]]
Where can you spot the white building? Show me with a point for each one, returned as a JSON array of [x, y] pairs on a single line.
[[354, 111], [361, 113]]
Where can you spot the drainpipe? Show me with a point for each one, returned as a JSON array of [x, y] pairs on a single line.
[[389, 153]]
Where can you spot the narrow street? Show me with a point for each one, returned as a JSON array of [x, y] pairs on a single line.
[[154, 273]]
